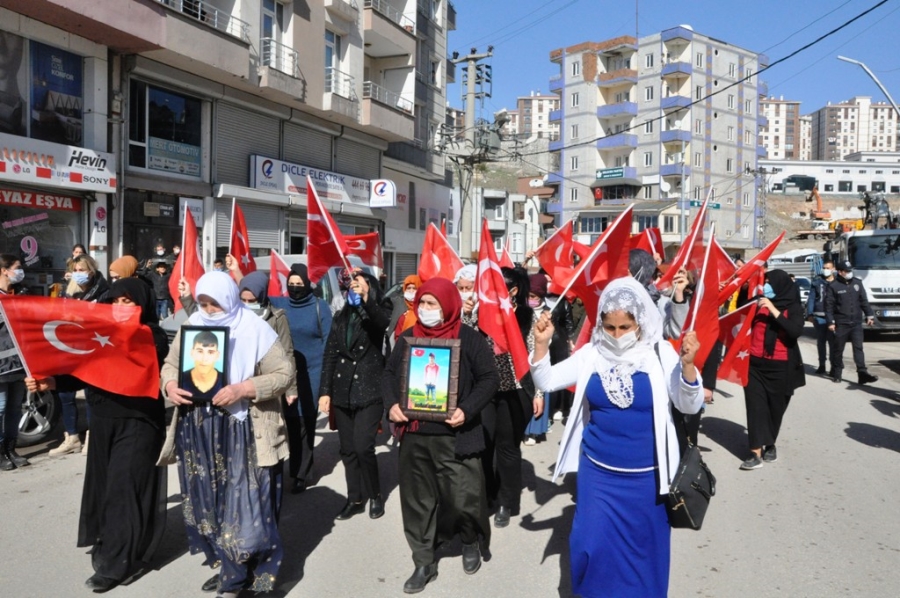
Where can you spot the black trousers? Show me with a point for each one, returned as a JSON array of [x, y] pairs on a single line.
[[504, 421], [824, 341], [766, 398], [441, 495], [301, 439], [843, 333], [357, 429]]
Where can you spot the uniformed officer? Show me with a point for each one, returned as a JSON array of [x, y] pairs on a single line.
[[844, 303], [815, 311]]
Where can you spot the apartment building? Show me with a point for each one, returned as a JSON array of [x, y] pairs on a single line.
[[672, 116], [533, 115], [782, 135], [209, 102], [857, 125], [805, 137]]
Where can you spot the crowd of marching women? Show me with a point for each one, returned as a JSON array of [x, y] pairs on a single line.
[[465, 366]]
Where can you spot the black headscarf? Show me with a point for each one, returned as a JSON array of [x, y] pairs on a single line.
[[787, 298], [142, 295], [258, 284], [300, 295], [642, 267]]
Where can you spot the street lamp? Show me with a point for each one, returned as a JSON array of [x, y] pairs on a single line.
[[875, 79]]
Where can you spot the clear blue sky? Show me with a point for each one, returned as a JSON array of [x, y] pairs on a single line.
[[523, 32]]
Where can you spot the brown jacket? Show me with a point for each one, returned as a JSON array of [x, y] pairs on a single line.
[[274, 374]]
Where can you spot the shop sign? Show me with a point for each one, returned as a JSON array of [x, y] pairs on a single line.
[[610, 173], [196, 208], [275, 176], [41, 201], [30, 161], [172, 156], [384, 194]]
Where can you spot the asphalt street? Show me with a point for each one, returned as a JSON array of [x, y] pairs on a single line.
[[822, 521]]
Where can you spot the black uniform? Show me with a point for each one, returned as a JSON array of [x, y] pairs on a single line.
[[845, 301]]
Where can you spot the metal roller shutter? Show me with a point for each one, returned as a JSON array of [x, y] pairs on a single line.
[[356, 159], [404, 265], [240, 133], [307, 147], [263, 224]]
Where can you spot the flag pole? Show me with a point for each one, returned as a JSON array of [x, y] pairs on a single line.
[[15, 341], [231, 234], [712, 232], [187, 214]]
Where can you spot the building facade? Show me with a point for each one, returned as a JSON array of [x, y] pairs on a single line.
[[672, 116], [862, 172], [533, 115], [857, 125], [782, 135]]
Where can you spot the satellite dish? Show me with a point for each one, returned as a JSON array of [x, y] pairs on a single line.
[[664, 186], [534, 183]]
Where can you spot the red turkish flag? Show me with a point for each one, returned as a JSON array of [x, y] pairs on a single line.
[[558, 250], [690, 254], [240, 241], [650, 240], [581, 250], [703, 312], [85, 340], [279, 272], [367, 247], [724, 263], [505, 259], [439, 260], [743, 274], [496, 317], [188, 265], [734, 333], [326, 247]]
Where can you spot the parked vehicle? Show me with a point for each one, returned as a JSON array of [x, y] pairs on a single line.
[[41, 415], [804, 285]]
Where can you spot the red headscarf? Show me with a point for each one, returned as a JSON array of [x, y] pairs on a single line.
[[451, 306]]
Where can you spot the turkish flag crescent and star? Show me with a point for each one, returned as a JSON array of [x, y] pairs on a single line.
[[703, 312], [734, 333], [279, 272], [496, 317], [326, 246], [367, 247], [690, 253], [557, 252], [188, 264], [83, 339], [240, 241], [439, 260], [743, 274]]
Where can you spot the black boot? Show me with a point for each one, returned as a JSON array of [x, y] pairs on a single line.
[[6, 463], [420, 578], [17, 459]]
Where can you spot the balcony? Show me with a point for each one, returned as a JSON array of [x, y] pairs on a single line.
[[204, 12], [555, 115], [387, 113], [388, 32], [762, 88], [617, 141], [761, 151], [340, 94], [675, 102], [280, 57], [495, 225], [667, 170], [556, 83], [553, 178], [556, 145], [762, 121], [343, 9], [451, 72], [675, 136], [681, 33], [677, 69], [617, 77], [451, 17], [617, 109]]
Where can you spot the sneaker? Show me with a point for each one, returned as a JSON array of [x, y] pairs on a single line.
[[753, 462], [70, 444], [770, 455], [558, 416], [530, 441], [87, 437]]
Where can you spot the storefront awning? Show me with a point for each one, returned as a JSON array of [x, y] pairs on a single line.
[[616, 182]]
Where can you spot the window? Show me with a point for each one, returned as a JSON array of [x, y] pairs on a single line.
[[698, 92], [648, 93], [668, 224], [731, 101], [165, 130], [411, 221], [436, 73], [648, 192], [272, 28], [648, 61], [576, 68], [698, 159], [648, 158], [575, 100], [749, 74], [423, 218], [730, 133], [573, 132], [697, 192], [645, 222], [745, 231], [573, 195], [748, 137], [698, 126], [745, 199], [334, 83], [731, 69], [729, 200], [729, 165], [573, 163], [698, 61], [648, 126], [829, 188], [845, 186], [748, 106]]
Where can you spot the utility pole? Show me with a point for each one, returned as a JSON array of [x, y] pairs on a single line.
[[762, 188]]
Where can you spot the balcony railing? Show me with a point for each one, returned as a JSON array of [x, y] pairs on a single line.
[[280, 57], [392, 14], [211, 16], [373, 91], [339, 83]]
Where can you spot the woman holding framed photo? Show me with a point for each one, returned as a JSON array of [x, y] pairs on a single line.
[[442, 487]]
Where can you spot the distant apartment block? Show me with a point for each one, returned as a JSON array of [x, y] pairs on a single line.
[[857, 125], [781, 135]]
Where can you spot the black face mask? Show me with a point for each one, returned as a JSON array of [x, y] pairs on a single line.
[[299, 293]]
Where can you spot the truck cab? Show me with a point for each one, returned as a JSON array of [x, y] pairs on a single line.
[[875, 257]]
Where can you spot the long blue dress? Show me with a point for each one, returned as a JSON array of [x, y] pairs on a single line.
[[620, 540]]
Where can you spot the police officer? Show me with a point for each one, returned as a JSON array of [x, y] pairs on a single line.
[[845, 299], [815, 312]]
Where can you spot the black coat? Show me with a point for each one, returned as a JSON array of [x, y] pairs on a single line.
[[846, 302], [351, 373], [478, 383]]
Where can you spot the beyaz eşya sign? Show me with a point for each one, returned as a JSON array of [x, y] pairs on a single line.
[[277, 176], [30, 161]]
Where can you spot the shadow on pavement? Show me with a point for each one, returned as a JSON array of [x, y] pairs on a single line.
[[727, 434], [873, 436], [560, 525], [883, 393], [888, 409]]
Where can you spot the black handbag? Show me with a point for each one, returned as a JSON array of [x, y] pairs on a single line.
[[692, 488]]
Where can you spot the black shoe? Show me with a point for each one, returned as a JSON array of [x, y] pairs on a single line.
[[211, 584], [376, 507], [5, 463], [351, 509], [501, 517], [769, 454], [298, 486], [864, 378], [821, 370], [420, 578], [100, 584], [471, 558], [20, 461], [836, 378]]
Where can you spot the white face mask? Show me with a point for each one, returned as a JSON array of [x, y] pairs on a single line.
[[466, 295], [160, 252], [618, 346], [827, 273], [17, 276], [847, 275], [550, 301], [254, 306], [430, 317], [218, 315], [409, 295]]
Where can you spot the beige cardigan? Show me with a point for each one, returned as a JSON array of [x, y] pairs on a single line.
[[274, 374]]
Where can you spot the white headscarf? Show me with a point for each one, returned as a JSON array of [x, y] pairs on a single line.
[[250, 336], [468, 272], [626, 294]]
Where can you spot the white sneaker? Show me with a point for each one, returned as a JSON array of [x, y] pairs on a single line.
[[530, 441], [87, 437], [558, 416]]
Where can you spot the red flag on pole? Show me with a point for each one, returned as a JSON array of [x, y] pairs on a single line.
[[240, 240], [279, 272], [744, 273], [367, 247], [690, 254], [505, 259], [188, 265], [581, 250], [439, 260], [734, 332], [703, 312], [100, 344], [650, 240], [327, 247], [724, 263], [496, 317], [557, 251]]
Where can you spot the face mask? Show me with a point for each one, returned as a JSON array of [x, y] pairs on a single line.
[[17, 276], [299, 293], [618, 346], [409, 295], [121, 313], [827, 273], [160, 252], [219, 315], [465, 296], [533, 303], [430, 317], [768, 293], [551, 301], [176, 251], [254, 306], [81, 278], [847, 275]]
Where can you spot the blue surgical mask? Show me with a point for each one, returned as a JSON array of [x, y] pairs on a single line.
[[17, 276], [81, 278], [768, 293]]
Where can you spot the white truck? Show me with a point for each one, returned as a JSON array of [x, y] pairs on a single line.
[[875, 257]]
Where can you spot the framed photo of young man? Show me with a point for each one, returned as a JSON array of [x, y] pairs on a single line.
[[204, 361], [429, 378]]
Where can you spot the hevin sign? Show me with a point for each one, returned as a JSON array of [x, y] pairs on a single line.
[[30, 161]]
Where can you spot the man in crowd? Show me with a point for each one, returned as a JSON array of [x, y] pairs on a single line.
[[845, 303], [815, 312]]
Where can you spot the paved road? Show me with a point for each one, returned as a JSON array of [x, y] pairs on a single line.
[[823, 521]]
